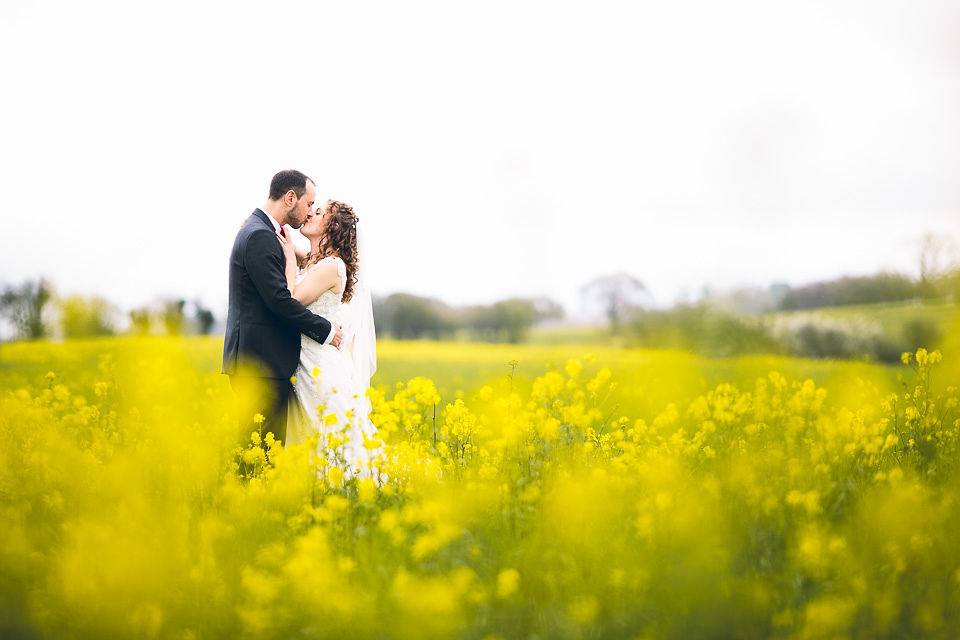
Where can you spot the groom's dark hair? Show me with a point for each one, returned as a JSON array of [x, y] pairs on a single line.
[[286, 180]]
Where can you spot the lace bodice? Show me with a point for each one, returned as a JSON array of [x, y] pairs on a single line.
[[329, 304]]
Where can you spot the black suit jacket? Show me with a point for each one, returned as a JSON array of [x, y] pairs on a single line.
[[264, 321]]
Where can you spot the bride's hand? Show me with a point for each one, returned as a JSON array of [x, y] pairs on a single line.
[[289, 251]]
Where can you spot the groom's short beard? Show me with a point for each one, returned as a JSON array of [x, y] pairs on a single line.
[[290, 220]]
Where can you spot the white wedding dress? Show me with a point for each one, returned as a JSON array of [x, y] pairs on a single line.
[[326, 377]]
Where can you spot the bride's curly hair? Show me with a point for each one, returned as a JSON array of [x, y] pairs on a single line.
[[339, 239]]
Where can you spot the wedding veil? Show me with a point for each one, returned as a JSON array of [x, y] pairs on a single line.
[[360, 340]]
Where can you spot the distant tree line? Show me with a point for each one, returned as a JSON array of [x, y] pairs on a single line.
[[405, 316], [723, 324], [734, 323], [739, 322], [939, 278], [840, 292], [710, 331], [33, 311], [172, 317], [883, 287]]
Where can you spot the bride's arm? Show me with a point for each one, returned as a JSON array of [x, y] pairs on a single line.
[[290, 268], [323, 277]]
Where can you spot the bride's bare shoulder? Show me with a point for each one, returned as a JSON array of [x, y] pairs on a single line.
[[322, 268], [333, 264]]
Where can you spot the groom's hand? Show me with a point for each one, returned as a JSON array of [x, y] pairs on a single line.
[[337, 337]]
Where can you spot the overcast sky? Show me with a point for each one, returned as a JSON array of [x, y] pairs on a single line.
[[490, 149]]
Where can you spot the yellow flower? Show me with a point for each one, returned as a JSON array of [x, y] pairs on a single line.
[[508, 581], [254, 456], [549, 428], [335, 476], [367, 490], [371, 443]]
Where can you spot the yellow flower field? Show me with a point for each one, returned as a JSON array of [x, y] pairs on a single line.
[[524, 492]]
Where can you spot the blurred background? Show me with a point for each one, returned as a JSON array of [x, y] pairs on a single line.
[[728, 178]]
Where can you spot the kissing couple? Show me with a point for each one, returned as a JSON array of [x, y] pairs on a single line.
[[300, 341]]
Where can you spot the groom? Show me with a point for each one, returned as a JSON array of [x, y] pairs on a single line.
[[261, 348]]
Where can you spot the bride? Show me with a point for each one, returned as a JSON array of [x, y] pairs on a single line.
[[330, 385]]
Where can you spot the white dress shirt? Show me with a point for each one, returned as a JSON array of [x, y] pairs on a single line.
[[276, 229], [276, 225]]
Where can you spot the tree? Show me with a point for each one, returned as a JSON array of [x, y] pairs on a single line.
[[616, 294], [938, 261], [881, 287], [406, 316], [173, 317], [82, 317], [509, 320], [23, 307], [547, 309], [141, 320], [935, 259], [950, 284], [203, 317]]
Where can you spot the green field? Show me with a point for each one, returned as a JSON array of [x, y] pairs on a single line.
[[878, 332], [891, 317]]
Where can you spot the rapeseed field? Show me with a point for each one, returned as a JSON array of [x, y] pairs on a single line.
[[522, 492]]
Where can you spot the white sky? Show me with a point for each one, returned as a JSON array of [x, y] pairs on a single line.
[[490, 149]]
